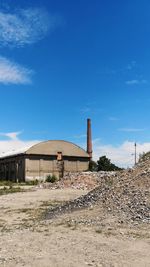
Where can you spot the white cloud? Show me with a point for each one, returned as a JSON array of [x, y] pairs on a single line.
[[14, 144], [11, 72], [132, 82], [25, 26], [131, 129], [122, 155], [136, 82], [12, 135]]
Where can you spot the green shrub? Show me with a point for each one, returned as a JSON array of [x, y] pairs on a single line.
[[144, 156], [51, 178]]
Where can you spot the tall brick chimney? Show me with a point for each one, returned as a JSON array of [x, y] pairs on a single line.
[[89, 138]]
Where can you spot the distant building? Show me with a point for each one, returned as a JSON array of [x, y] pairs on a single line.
[[50, 157], [46, 158]]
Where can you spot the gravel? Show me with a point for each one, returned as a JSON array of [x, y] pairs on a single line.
[[125, 194]]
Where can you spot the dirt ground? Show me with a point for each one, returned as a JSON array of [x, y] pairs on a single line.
[[70, 240]]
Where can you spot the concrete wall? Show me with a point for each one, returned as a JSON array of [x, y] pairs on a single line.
[[40, 168], [75, 166], [31, 167]]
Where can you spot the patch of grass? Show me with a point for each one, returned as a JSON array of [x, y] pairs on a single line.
[[5, 229], [33, 182], [138, 234], [10, 183], [9, 190], [6, 183]]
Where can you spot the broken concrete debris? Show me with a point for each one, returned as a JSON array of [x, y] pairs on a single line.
[[125, 193]]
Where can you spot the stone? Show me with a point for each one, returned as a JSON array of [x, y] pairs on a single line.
[[125, 193]]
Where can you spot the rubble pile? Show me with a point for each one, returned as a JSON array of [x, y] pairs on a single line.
[[81, 180], [126, 194]]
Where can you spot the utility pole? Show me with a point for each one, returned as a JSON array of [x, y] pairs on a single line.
[[89, 138], [135, 153]]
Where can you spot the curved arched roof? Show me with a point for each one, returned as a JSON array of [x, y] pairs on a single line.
[[52, 147]]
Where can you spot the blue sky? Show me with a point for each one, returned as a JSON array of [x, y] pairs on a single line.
[[62, 62]]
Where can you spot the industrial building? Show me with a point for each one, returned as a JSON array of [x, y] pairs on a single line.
[[46, 158]]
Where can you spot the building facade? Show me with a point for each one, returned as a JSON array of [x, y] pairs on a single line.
[[43, 159]]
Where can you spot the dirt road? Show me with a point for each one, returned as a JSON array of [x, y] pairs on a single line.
[[26, 240]]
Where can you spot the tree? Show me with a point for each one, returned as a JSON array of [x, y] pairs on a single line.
[[92, 166], [104, 164]]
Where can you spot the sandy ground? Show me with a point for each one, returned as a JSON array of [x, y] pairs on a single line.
[[26, 240]]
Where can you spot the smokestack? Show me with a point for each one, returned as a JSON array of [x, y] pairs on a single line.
[[89, 138]]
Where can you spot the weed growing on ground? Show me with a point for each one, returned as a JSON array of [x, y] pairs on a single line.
[[9, 190], [51, 179]]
